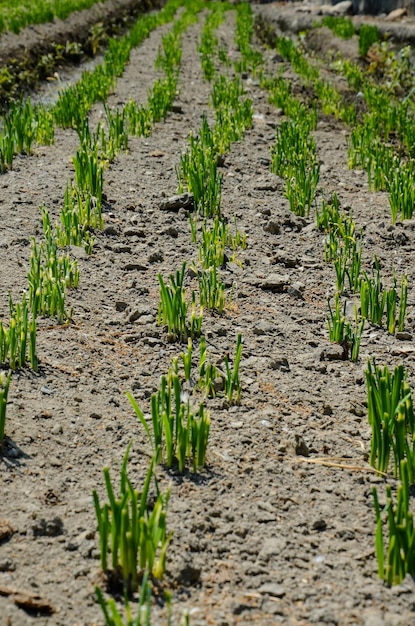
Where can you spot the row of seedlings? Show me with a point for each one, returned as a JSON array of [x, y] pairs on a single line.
[[133, 532], [25, 125], [178, 433], [51, 272], [390, 405]]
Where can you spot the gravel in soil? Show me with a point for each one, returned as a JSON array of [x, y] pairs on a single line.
[[276, 529]]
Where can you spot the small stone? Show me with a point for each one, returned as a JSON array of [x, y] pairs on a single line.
[[78, 252], [120, 306], [134, 232], [172, 231], [6, 530], [186, 571], [156, 257], [279, 363], [48, 528], [95, 416], [7, 565], [47, 391], [119, 248], [334, 352], [57, 429], [135, 313], [272, 589], [135, 267], [110, 231], [396, 14], [177, 202], [263, 328], [275, 282], [319, 524], [296, 290], [272, 227], [404, 335]]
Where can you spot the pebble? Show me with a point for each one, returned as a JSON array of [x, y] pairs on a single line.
[[135, 267], [48, 528], [272, 589], [275, 282], [272, 227], [279, 363], [7, 565], [179, 201], [263, 328]]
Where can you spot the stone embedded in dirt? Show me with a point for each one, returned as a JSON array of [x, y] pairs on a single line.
[[272, 589], [296, 290], [186, 571], [279, 363], [135, 267], [172, 231], [48, 528], [263, 328], [180, 201], [120, 306], [78, 252], [6, 530], [135, 312], [275, 282], [134, 232], [282, 258], [334, 352], [396, 14], [319, 524], [7, 565], [156, 257], [295, 444], [110, 231], [266, 184], [272, 227], [119, 248]]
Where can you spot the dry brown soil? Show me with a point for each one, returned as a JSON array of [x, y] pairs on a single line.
[[279, 527]]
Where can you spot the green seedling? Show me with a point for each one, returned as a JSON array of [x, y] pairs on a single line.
[[250, 59], [19, 336], [211, 289], [341, 26], [50, 275], [178, 433], [401, 188], [113, 617], [391, 417], [398, 559], [174, 307], [208, 373], [342, 332], [4, 392], [368, 35], [372, 297], [187, 360], [231, 378], [133, 534]]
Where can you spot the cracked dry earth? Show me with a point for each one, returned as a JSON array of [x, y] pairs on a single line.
[[276, 529]]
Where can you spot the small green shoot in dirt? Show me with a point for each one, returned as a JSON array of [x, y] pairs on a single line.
[[133, 534]]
